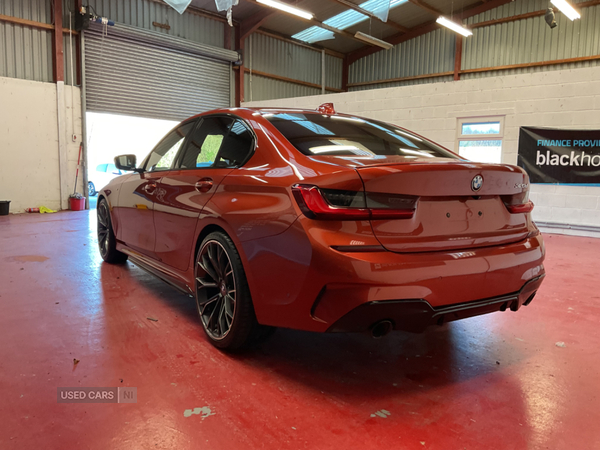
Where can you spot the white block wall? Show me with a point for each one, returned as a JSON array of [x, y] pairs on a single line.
[[29, 151], [560, 99]]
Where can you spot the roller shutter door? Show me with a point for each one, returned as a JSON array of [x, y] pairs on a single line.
[[138, 72]]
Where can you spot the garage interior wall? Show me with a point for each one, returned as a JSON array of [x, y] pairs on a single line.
[[30, 173], [29, 144], [35, 108], [143, 13], [522, 41], [560, 98], [268, 54], [430, 58]]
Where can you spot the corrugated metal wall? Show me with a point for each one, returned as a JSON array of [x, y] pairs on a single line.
[[530, 40], [431, 53], [37, 10], [269, 89], [518, 42], [275, 56], [261, 88], [141, 13], [25, 52]]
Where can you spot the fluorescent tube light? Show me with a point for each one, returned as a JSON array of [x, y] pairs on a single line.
[[372, 40], [287, 8], [566, 9], [454, 26]]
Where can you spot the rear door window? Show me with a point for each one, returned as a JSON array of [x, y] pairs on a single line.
[[217, 142], [237, 146], [205, 143]]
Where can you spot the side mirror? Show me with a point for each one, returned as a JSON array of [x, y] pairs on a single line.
[[126, 162]]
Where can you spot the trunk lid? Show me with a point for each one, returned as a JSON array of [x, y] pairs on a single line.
[[450, 213]]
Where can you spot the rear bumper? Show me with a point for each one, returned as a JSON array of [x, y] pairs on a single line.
[[417, 315], [299, 280]]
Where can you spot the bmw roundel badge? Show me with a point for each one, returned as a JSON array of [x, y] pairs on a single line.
[[476, 182]]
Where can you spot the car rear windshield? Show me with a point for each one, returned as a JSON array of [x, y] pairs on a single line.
[[333, 135]]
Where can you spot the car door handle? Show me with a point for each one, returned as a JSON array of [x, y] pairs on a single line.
[[149, 188], [204, 185]]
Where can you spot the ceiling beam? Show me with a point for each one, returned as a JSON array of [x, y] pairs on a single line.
[[251, 24], [426, 28], [430, 9], [357, 8]]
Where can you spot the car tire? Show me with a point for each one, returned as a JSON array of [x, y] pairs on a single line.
[[91, 189], [223, 298], [107, 242]]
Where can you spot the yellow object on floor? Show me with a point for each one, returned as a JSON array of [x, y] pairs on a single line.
[[43, 210]]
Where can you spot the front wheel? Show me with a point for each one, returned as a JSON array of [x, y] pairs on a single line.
[[223, 297]]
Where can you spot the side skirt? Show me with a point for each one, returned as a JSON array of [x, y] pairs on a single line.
[[153, 268]]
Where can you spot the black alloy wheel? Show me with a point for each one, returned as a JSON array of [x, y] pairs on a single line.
[[218, 282], [223, 297]]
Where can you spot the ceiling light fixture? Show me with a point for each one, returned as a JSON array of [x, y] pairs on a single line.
[[566, 9], [454, 26], [372, 40], [287, 8]]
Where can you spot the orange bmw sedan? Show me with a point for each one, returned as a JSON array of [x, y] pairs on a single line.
[[321, 221]]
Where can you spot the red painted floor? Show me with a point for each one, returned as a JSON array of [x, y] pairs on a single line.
[[493, 382]]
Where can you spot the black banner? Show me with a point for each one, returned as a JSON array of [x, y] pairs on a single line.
[[560, 156]]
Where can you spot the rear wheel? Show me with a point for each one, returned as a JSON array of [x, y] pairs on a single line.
[[222, 295], [91, 189], [107, 243]]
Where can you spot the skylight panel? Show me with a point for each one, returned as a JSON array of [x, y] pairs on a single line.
[[343, 20]]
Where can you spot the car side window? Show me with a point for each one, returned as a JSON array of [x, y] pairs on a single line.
[[236, 146], [205, 143], [164, 153]]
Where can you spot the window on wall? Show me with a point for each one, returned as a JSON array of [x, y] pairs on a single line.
[[480, 138]]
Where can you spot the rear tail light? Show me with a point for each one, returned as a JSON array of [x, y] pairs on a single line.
[[518, 203], [330, 204], [522, 208]]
